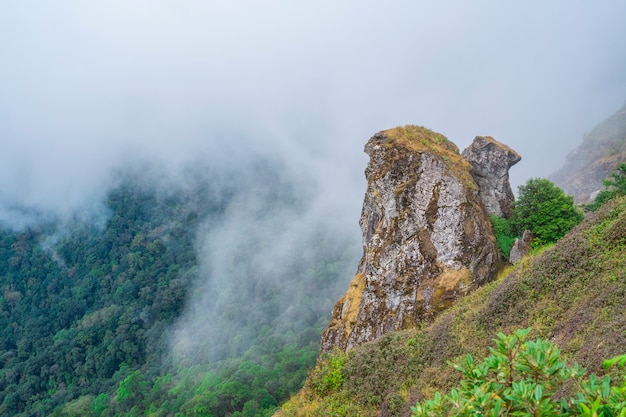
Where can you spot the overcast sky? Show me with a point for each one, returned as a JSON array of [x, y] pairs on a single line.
[[87, 85]]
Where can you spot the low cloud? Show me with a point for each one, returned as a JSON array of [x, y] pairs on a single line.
[[88, 87]]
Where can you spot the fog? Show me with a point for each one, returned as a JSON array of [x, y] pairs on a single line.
[[85, 87], [277, 258], [88, 88]]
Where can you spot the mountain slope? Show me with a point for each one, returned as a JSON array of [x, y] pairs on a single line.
[[600, 153], [573, 293]]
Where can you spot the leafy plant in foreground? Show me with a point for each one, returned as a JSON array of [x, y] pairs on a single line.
[[521, 378]]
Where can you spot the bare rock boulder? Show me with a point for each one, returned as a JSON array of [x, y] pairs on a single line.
[[427, 239], [521, 247], [491, 161]]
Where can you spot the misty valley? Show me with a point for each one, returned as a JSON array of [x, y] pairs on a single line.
[[203, 297], [200, 215], [215, 289]]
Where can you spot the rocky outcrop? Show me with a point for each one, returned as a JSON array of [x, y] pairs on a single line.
[[491, 161], [521, 247], [427, 238], [603, 149]]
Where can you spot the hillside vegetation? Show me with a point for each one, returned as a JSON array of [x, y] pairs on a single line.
[[572, 293], [89, 311]]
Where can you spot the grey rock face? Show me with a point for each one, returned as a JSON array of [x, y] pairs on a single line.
[[491, 161], [521, 247], [427, 240]]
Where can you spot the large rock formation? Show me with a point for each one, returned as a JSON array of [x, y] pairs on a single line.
[[600, 153], [427, 238], [491, 161]]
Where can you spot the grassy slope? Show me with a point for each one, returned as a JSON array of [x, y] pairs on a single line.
[[573, 293]]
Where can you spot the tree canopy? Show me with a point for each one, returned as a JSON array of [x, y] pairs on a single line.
[[544, 209], [88, 309]]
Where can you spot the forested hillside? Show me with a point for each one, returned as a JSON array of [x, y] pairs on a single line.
[[100, 315]]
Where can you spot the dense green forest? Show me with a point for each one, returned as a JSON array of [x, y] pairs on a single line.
[[91, 307]]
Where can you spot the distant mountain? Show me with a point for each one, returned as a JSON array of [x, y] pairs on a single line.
[[602, 150]]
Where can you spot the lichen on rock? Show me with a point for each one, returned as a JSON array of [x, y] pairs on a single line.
[[427, 238]]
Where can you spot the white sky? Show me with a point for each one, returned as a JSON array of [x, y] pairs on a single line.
[[88, 85]]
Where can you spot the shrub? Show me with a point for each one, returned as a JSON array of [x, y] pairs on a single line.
[[328, 375], [505, 237], [544, 209], [522, 378]]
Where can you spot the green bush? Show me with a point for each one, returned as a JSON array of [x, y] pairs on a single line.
[[505, 238], [544, 209], [328, 376], [522, 378]]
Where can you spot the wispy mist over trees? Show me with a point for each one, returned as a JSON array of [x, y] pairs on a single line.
[[235, 268]]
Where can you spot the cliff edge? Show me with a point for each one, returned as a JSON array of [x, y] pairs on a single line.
[[427, 237]]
